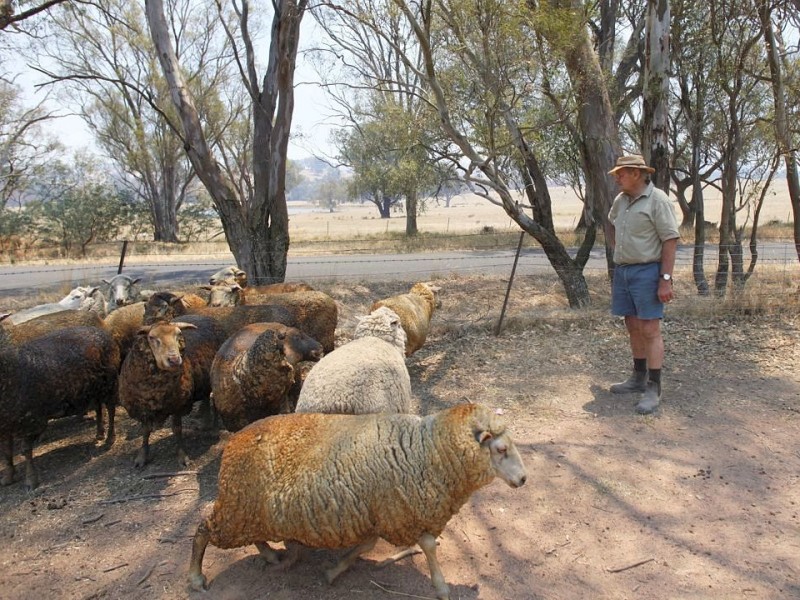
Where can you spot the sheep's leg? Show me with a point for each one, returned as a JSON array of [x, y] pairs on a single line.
[[206, 416], [177, 431], [408, 551], [144, 452], [98, 418], [294, 551], [8, 454], [111, 407], [428, 544], [349, 559], [201, 538], [268, 553], [31, 477]]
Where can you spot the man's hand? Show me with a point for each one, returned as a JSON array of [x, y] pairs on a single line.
[[665, 291]]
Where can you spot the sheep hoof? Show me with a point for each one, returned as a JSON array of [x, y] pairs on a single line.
[[198, 582], [140, 460]]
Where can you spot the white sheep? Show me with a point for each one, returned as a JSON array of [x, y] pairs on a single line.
[[85, 298], [229, 276], [366, 375], [343, 481]]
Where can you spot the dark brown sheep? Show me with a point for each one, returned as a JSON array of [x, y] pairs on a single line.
[[65, 372], [165, 372], [253, 372]]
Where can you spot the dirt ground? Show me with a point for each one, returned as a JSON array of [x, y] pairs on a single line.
[[700, 500]]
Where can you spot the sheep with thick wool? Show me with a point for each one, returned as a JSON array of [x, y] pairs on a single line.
[[253, 372], [365, 375], [224, 294], [45, 324], [314, 313], [166, 371], [65, 372], [343, 481], [415, 310]]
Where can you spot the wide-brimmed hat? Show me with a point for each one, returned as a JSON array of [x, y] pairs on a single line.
[[632, 161]]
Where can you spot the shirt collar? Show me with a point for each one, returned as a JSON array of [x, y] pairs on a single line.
[[646, 192]]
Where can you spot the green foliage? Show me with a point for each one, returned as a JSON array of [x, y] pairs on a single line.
[[78, 208]]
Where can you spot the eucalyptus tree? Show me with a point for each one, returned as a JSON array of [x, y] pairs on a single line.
[[739, 71], [249, 196], [11, 18], [25, 153], [389, 157], [656, 91], [776, 17], [106, 66], [385, 140]]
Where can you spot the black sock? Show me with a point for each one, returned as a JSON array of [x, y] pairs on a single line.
[[640, 365], [655, 375]]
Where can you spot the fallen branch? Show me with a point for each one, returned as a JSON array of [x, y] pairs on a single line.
[[633, 566], [147, 575], [90, 520], [146, 496], [109, 569], [388, 591], [168, 474]]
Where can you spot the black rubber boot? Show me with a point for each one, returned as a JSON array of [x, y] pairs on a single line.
[[635, 383], [650, 399]]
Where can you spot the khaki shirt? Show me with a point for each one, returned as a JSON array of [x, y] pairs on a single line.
[[641, 225]]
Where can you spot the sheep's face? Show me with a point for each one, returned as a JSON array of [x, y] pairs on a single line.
[[76, 297], [167, 343], [225, 295], [505, 458], [229, 276], [121, 291]]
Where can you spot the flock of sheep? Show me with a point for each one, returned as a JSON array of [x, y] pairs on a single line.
[[326, 452]]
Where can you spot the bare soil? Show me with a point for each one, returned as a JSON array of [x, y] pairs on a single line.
[[700, 500]]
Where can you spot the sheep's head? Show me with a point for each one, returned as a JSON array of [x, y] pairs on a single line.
[[121, 291], [163, 306], [490, 432], [382, 323], [229, 276], [166, 343], [225, 294]]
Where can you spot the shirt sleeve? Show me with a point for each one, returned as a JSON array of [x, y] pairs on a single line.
[[665, 221]]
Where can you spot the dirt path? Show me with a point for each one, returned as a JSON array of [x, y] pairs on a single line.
[[699, 501]]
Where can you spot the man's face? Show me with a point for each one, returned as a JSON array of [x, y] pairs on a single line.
[[629, 180]]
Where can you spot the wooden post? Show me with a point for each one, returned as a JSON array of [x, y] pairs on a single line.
[[122, 256]]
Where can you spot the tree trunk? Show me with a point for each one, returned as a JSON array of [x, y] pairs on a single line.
[[256, 228], [411, 213], [783, 134], [655, 144], [601, 145]]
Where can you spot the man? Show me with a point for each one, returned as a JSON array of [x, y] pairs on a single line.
[[644, 238]]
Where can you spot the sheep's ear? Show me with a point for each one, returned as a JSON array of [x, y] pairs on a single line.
[[4, 315], [483, 437], [236, 287], [135, 281], [105, 281], [183, 326], [92, 291], [144, 330], [206, 287]]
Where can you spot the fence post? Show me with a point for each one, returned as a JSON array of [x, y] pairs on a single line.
[[510, 282], [122, 256]]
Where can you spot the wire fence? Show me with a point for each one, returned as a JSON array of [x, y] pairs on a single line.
[[774, 279]]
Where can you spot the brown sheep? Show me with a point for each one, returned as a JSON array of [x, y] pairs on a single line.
[[415, 310], [45, 324], [253, 372], [233, 294], [343, 481], [65, 372], [165, 372]]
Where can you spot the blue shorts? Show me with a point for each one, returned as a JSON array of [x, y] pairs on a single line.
[[635, 291]]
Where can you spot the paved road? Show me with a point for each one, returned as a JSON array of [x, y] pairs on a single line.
[[30, 279]]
